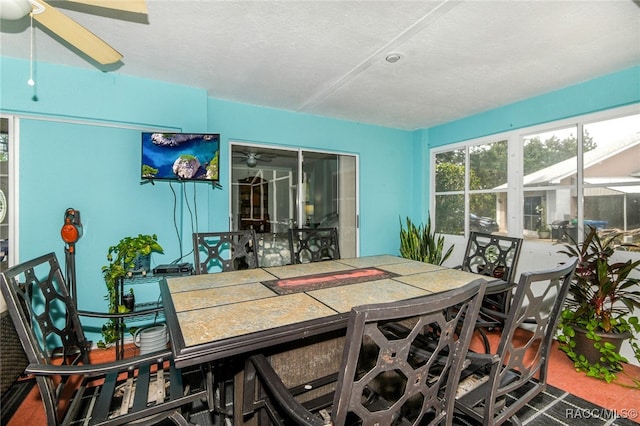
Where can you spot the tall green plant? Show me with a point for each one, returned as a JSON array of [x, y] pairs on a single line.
[[421, 243], [602, 298]]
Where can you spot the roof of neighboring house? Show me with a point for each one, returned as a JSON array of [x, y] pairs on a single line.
[[556, 172]]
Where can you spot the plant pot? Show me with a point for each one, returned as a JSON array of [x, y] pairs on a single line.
[[129, 301], [585, 347], [544, 234], [142, 264]]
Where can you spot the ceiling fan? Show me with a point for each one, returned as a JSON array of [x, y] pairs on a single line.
[[68, 29], [252, 158]]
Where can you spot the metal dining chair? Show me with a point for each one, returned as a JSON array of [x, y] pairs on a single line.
[[518, 367], [313, 244], [144, 389], [495, 256], [385, 378], [224, 251], [492, 255]]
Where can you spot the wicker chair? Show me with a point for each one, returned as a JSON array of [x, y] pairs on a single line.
[[145, 388], [385, 378]]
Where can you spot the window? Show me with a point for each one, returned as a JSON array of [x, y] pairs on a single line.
[[611, 175], [450, 184], [549, 168], [583, 172], [476, 173]]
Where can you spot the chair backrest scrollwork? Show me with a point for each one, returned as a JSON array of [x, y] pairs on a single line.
[[313, 245], [224, 251], [492, 255], [45, 318]]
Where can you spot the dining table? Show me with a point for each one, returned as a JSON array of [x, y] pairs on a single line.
[[216, 316], [296, 314]]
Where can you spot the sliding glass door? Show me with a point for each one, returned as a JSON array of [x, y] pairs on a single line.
[[274, 189], [328, 198], [4, 193]]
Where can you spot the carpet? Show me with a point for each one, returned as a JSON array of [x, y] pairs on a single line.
[[558, 407], [14, 396]]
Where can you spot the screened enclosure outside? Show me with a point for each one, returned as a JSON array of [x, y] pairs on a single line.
[[479, 182], [612, 176], [549, 165], [570, 177]]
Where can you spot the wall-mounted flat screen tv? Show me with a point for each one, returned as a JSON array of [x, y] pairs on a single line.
[[181, 156]]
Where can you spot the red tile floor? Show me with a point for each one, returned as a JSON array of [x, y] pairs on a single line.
[[561, 375]]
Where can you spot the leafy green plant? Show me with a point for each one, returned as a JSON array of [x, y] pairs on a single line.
[[122, 259], [421, 243], [601, 299]]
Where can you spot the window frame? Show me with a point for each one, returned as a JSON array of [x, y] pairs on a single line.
[[515, 167]]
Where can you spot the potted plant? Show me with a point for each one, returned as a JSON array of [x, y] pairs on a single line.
[[421, 243], [597, 316], [130, 255], [544, 231]]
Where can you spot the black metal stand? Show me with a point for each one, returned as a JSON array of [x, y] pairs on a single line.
[[70, 271]]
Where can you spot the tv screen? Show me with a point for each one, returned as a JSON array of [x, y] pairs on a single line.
[[181, 156]]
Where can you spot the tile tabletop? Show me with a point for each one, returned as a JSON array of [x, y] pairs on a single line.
[[221, 322], [220, 314], [342, 299]]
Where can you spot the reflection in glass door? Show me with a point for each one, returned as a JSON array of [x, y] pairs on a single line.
[[328, 196], [4, 193], [273, 190]]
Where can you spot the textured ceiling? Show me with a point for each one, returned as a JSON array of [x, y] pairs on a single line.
[[328, 57]]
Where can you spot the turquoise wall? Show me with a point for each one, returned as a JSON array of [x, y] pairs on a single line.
[[383, 155], [610, 91], [80, 147]]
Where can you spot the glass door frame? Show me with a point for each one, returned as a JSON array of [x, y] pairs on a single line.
[[300, 214], [13, 176]]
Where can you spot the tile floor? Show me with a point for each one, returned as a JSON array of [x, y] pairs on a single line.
[[561, 375]]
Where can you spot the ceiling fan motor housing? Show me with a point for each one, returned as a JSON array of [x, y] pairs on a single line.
[[14, 9]]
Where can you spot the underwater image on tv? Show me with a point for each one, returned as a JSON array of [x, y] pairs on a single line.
[[180, 156]]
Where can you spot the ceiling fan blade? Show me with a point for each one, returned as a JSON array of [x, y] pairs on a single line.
[[133, 6], [77, 35]]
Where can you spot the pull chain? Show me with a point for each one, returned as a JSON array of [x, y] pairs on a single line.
[[31, 82]]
